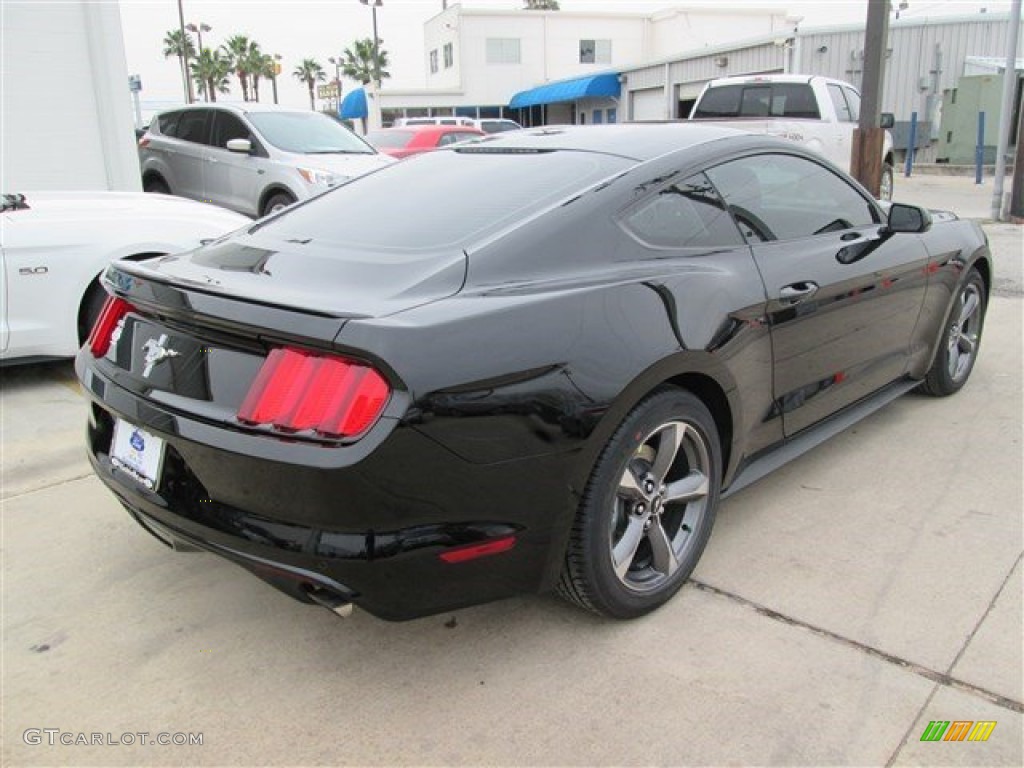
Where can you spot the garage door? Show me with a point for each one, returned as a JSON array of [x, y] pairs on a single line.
[[648, 104]]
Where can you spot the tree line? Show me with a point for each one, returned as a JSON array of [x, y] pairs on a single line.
[[211, 68]]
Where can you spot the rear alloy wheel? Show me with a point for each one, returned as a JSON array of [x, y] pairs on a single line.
[[958, 349], [648, 509], [277, 202]]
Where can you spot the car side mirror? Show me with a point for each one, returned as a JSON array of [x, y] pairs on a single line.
[[242, 146], [888, 120], [908, 218]]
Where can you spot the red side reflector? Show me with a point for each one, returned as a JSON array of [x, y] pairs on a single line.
[[297, 390], [473, 551], [113, 311]]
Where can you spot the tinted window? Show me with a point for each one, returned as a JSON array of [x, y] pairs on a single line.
[[168, 123], [389, 137], [782, 197], [853, 99], [443, 199], [307, 133], [687, 214], [192, 126], [455, 137], [227, 126], [839, 102], [759, 100], [720, 102]]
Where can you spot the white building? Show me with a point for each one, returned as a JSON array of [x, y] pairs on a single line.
[[477, 60], [67, 119]]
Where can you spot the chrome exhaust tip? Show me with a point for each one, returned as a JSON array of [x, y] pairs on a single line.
[[332, 602]]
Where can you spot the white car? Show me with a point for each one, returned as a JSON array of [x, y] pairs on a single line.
[[54, 246]]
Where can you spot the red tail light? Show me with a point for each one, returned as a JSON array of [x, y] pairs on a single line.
[[144, 141], [297, 390], [113, 310]]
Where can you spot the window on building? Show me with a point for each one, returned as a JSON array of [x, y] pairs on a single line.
[[595, 51], [449, 55], [433, 62], [503, 50]]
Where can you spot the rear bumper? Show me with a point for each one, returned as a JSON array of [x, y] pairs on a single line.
[[369, 528]]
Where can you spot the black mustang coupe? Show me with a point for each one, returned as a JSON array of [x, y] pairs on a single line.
[[533, 362]]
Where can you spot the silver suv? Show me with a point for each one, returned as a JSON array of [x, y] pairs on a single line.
[[254, 159]]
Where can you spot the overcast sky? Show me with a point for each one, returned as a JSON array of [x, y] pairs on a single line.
[[318, 29]]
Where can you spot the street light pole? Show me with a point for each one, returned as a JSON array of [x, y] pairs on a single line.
[[277, 70], [337, 81], [374, 4], [203, 27], [189, 95]]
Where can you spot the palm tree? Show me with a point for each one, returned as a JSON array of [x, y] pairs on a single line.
[[359, 64], [262, 65], [178, 44], [310, 72], [236, 49], [210, 70]]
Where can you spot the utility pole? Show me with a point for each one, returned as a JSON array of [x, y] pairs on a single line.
[[189, 93], [1006, 112], [866, 163]]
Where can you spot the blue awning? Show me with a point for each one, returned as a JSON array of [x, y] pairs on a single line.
[[606, 85], [353, 106]]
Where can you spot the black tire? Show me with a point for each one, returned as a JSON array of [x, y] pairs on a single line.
[[89, 311], [885, 187], [156, 185], [961, 339], [629, 499], [276, 202]]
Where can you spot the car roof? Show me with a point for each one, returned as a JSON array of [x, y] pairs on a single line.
[[638, 141], [433, 129], [239, 109]]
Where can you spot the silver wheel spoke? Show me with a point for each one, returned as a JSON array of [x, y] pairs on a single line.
[[967, 345], [668, 446], [969, 308], [693, 486], [629, 488], [625, 550], [663, 557]]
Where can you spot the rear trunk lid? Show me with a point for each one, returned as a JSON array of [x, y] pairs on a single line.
[[310, 275]]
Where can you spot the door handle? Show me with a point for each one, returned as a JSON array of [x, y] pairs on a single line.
[[797, 292]]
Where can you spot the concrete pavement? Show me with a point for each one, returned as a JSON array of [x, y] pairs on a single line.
[[844, 602]]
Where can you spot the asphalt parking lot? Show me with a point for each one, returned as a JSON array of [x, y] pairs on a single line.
[[844, 602]]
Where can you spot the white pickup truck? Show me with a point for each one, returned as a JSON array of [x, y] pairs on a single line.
[[816, 112]]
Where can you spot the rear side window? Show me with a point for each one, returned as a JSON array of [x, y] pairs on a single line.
[[443, 199], [688, 214], [853, 99], [843, 113], [168, 123], [192, 126]]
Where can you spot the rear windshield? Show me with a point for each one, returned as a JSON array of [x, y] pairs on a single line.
[[307, 133], [759, 100], [443, 199], [389, 138]]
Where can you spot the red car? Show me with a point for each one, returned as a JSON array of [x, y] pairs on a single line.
[[413, 139]]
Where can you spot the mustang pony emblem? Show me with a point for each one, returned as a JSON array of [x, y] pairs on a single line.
[[156, 352]]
